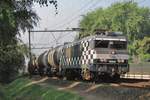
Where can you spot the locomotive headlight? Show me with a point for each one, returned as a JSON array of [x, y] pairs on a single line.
[[122, 60], [119, 60], [113, 52]]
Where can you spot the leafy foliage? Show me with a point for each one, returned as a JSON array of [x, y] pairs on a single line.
[[128, 17], [141, 49], [15, 16], [11, 60]]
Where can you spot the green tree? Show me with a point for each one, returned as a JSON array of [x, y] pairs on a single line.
[[143, 49], [15, 16], [128, 17]]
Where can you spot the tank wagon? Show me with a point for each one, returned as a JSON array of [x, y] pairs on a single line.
[[92, 58]]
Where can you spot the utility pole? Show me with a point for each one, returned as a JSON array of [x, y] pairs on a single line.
[[30, 44]]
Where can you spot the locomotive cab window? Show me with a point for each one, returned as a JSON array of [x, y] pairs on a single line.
[[119, 45], [101, 44]]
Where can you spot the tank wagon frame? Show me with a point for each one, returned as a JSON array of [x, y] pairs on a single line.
[[92, 58]]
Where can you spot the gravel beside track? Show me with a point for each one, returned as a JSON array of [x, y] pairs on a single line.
[[140, 68]]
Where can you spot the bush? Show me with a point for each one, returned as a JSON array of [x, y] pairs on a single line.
[[11, 61]]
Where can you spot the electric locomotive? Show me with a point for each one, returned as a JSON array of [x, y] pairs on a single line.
[[94, 57]]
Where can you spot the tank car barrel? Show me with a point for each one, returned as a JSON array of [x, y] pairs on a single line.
[[32, 65], [42, 63], [53, 57]]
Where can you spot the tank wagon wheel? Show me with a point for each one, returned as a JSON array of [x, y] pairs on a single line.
[[35, 72], [41, 71], [48, 72], [60, 76], [60, 73], [95, 77], [104, 77]]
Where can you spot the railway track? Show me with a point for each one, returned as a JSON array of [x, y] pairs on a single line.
[[123, 82], [137, 76], [136, 83], [124, 89]]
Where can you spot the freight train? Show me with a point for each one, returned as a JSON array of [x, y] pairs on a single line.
[[94, 57]]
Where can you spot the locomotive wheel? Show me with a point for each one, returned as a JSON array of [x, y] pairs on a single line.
[[35, 72], [31, 71], [60, 76], [105, 77], [95, 77], [78, 75]]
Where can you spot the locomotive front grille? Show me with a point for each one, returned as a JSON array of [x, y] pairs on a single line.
[[110, 68], [110, 61]]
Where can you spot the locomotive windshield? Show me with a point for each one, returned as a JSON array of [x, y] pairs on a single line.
[[101, 44], [119, 45]]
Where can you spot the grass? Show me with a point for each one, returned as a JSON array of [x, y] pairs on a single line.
[[3, 93], [20, 90]]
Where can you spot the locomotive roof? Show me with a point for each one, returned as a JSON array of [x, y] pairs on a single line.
[[104, 37], [98, 37]]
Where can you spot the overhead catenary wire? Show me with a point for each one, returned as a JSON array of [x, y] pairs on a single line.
[[73, 14], [86, 6], [71, 19], [77, 15], [79, 10], [51, 32], [47, 31], [41, 47], [83, 7]]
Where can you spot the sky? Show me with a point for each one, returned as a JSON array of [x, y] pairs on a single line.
[[70, 13]]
